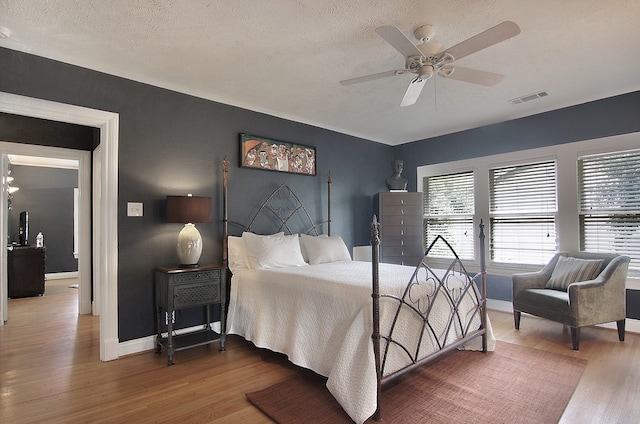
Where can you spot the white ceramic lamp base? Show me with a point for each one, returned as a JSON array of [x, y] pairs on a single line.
[[189, 246]]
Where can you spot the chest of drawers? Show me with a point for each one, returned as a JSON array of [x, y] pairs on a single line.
[[400, 217]]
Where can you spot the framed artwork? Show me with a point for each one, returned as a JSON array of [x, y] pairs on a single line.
[[273, 155]]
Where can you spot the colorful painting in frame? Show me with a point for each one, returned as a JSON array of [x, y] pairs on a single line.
[[272, 155]]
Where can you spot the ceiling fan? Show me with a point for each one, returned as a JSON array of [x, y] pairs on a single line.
[[428, 58]]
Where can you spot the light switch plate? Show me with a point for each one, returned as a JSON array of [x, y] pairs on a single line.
[[134, 209]]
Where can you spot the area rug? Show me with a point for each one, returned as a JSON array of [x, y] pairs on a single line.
[[514, 384]]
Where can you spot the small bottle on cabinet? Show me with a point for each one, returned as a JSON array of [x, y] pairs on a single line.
[[40, 240]]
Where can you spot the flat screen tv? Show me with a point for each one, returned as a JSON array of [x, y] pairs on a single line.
[[24, 228]]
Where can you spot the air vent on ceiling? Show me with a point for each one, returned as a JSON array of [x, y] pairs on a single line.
[[528, 97]]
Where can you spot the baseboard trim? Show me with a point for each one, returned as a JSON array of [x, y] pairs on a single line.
[[145, 344]]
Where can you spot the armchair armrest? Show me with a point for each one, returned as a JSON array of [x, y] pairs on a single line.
[[533, 280], [603, 298]]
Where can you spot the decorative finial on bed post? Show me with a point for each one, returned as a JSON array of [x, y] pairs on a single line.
[[375, 231]]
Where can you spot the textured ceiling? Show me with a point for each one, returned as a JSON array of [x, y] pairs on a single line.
[[286, 58]]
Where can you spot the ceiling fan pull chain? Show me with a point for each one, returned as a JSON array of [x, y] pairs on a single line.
[[435, 94]]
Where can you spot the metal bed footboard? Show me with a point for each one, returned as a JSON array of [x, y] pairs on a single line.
[[422, 308]]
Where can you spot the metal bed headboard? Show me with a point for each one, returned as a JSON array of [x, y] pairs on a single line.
[[282, 206]]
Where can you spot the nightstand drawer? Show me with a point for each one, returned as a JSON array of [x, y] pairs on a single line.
[[197, 277], [196, 294]]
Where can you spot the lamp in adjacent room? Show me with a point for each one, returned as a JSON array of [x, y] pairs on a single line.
[[189, 210]]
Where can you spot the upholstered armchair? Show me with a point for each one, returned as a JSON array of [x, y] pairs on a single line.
[[577, 289]]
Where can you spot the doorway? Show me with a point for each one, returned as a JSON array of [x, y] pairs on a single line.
[[73, 170], [105, 217]]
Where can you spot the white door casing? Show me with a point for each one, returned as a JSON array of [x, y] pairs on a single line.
[[105, 191]]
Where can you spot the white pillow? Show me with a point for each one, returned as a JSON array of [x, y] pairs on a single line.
[[324, 249], [302, 246], [237, 261], [272, 251]]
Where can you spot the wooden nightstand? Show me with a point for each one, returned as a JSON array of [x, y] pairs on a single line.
[[181, 288]]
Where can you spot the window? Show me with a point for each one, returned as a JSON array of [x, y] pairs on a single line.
[[573, 196], [523, 213], [609, 206], [449, 209]]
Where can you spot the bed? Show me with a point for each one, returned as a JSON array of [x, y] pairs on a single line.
[[360, 324]]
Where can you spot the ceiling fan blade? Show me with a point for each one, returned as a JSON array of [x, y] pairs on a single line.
[[413, 92], [373, 77], [473, 76], [485, 39], [399, 41]]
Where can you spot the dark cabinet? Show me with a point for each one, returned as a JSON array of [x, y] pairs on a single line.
[[25, 271], [400, 217]]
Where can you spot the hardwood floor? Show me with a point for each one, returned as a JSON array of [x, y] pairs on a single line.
[[50, 371]]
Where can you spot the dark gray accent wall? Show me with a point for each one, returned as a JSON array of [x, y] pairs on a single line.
[[47, 194], [172, 143]]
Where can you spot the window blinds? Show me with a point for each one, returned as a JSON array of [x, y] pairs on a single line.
[[609, 196], [523, 210], [449, 208]]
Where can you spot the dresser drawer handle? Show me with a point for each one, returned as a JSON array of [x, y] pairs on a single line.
[[402, 201]]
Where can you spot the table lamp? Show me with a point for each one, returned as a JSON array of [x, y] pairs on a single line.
[[189, 210]]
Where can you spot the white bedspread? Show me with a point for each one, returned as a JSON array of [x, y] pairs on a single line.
[[320, 316]]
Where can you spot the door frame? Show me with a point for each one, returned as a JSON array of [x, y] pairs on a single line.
[[105, 194], [47, 156]]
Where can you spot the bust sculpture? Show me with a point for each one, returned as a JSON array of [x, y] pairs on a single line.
[[396, 182]]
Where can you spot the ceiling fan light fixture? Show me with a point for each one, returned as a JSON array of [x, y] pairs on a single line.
[[426, 72]]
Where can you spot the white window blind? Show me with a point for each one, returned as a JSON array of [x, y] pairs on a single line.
[[609, 187], [523, 210], [449, 208]]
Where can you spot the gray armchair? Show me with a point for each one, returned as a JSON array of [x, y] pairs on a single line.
[[600, 299]]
